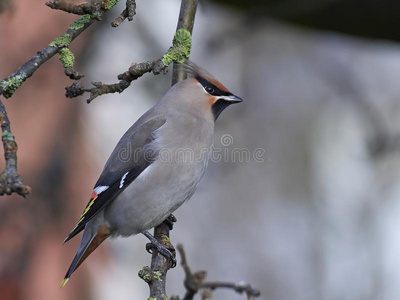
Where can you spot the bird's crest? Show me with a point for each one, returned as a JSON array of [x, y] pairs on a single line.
[[195, 71]]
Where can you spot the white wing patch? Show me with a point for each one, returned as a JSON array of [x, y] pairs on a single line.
[[101, 188], [121, 183]]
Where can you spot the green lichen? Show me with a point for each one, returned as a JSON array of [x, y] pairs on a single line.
[[157, 275], [109, 4], [166, 239], [3, 176], [151, 298], [10, 85], [148, 275], [8, 136], [144, 273], [165, 298], [78, 24], [67, 58], [61, 41], [180, 49]]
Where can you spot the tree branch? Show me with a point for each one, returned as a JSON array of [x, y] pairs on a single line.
[[10, 84], [93, 7], [10, 181], [134, 72], [185, 21], [156, 275], [179, 51], [194, 282], [128, 12], [89, 13]]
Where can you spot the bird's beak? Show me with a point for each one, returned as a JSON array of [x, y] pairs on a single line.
[[231, 98]]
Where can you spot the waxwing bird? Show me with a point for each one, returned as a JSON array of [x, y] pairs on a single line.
[[156, 165]]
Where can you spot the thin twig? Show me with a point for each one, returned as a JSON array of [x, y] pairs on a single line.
[[127, 13], [134, 72], [72, 74], [239, 287], [80, 9], [10, 181], [194, 282], [179, 51]]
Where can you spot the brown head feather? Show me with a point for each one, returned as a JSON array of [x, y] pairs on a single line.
[[193, 70]]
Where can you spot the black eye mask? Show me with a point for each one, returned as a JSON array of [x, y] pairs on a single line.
[[211, 89]]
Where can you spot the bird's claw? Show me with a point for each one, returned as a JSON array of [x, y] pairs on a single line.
[[164, 250]]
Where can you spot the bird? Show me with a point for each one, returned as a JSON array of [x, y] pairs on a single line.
[[156, 165]]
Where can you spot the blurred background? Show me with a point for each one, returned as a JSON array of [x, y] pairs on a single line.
[[311, 211]]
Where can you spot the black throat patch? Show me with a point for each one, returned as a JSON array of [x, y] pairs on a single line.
[[218, 107]]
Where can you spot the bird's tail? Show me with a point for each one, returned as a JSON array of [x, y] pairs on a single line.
[[89, 242]]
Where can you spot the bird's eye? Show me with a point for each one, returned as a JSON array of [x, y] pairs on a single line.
[[210, 89]]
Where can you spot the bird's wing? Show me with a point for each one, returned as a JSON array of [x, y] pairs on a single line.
[[136, 150]]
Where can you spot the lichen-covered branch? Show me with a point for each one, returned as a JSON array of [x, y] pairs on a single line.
[[134, 72], [156, 275], [195, 282], [10, 84], [127, 13], [186, 21], [178, 52], [91, 8], [67, 59], [10, 181], [181, 46]]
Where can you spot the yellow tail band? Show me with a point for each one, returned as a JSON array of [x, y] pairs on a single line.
[[64, 282]]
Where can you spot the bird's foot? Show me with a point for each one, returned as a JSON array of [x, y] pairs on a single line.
[[167, 250], [170, 221]]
